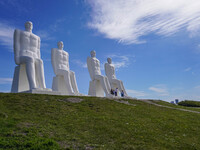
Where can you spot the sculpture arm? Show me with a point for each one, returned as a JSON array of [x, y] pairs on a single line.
[[68, 61], [106, 70], [38, 48], [89, 65], [16, 46], [53, 61]]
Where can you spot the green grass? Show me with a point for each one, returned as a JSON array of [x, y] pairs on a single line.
[[29, 121], [189, 103]]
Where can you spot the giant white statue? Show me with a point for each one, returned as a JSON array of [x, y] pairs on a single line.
[[110, 73], [29, 74], [99, 84], [64, 81]]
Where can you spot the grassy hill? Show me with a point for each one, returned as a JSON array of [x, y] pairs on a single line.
[[29, 121]]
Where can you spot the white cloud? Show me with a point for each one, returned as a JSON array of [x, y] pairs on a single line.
[[56, 25], [197, 87], [160, 89], [6, 80], [44, 35], [136, 93], [80, 63], [128, 20], [6, 35], [187, 69], [120, 61]]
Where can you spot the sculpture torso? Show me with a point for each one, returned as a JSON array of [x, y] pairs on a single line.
[[110, 71], [96, 66], [93, 67], [29, 44], [61, 59]]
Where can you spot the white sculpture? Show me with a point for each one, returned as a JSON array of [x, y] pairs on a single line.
[[99, 84], [29, 74], [65, 81], [110, 73]]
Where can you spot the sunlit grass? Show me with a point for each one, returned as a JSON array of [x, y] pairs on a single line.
[[30, 121]]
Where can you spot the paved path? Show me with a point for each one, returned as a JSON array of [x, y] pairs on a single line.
[[152, 103]]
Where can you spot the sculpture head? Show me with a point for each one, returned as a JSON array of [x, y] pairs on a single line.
[[109, 60], [60, 45], [29, 26], [93, 53]]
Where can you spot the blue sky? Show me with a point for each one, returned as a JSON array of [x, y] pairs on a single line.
[[154, 44]]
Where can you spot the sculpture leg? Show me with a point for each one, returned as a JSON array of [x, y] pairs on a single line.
[[30, 70], [73, 82], [120, 85], [108, 84], [103, 83], [124, 89], [66, 75], [40, 73]]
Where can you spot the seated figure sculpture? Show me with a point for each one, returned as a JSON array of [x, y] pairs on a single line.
[[99, 84], [29, 74], [65, 81], [110, 73]]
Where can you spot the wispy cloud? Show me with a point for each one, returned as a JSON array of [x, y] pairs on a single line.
[[187, 69], [80, 63], [6, 80], [127, 21], [16, 5], [56, 25], [160, 89], [136, 93], [120, 61], [44, 35], [6, 35], [197, 87]]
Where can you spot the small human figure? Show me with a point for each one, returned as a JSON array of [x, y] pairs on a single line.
[[27, 51], [110, 73], [122, 93], [93, 65], [60, 62], [112, 91], [116, 91]]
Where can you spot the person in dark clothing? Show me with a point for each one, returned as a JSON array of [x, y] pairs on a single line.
[[116, 91], [122, 93], [112, 91]]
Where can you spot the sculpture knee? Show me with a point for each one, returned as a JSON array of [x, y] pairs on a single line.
[[39, 61], [25, 59], [72, 73]]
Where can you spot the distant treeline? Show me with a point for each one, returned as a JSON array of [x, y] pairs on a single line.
[[189, 103]]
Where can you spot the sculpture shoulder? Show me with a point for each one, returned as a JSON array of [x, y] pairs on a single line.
[[88, 59], [89, 62], [17, 32], [65, 52], [53, 51], [36, 36], [106, 64]]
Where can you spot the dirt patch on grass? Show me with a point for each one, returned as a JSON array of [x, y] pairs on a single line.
[[25, 125], [71, 100], [3, 115]]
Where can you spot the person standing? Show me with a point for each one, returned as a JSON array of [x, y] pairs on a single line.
[[116, 91], [122, 93]]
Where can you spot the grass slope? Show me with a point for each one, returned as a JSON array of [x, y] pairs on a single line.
[[30, 121]]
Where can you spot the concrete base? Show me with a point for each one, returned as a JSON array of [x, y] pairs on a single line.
[[42, 91], [95, 89], [20, 81], [59, 85]]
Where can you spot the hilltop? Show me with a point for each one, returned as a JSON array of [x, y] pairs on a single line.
[[31, 121]]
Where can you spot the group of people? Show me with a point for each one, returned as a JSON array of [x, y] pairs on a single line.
[[27, 51], [115, 92]]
